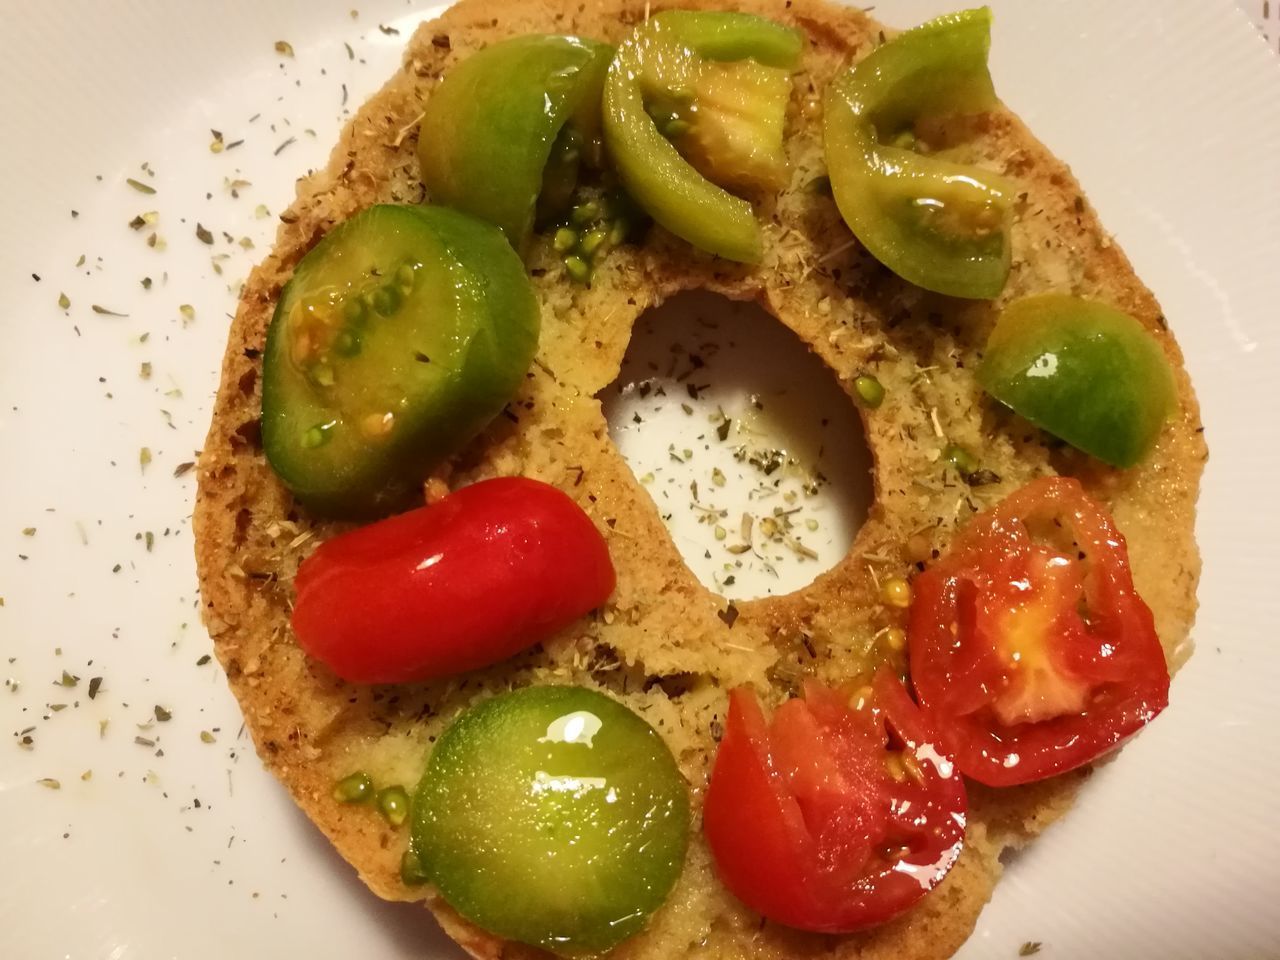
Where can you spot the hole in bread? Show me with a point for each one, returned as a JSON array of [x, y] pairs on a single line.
[[244, 519], [675, 685], [752, 452], [249, 434]]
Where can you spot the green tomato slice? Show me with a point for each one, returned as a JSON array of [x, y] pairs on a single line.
[[660, 65], [1085, 372], [490, 127], [940, 225], [553, 816], [401, 334]]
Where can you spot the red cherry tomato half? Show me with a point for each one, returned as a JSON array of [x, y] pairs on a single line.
[[840, 814], [1028, 644], [479, 576]]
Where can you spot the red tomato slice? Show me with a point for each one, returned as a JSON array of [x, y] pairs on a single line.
[[838, 816], [1028, 644], [486, 572]]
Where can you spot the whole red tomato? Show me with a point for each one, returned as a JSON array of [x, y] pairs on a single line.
[[1028, 643], [486, 572], [840, 814]]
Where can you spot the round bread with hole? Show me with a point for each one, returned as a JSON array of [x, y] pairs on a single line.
[[665, 645]]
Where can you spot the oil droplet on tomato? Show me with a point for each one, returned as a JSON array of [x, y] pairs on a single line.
[[581, 726]]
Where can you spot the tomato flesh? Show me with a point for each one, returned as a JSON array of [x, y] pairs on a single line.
[[840, 814], [1036, 657], [490, 570]]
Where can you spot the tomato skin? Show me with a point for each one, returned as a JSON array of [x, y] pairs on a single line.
[[1088, 683], [488, 571], [553, 816], [798, 814], [1109, 387], [938, 224]]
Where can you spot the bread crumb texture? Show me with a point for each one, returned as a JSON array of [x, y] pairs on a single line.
[[661, 645]]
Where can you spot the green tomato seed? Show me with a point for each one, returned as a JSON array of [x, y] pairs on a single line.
[[593, 240], [354, 788], [676, 128], [346, 343], [393, 803], [354, 310], [618, 234], [906, 140], [387, 299], [585, 213], [322, 375], [405, 277], [565, 240], [966, 463], [870, 391], [318, 435], [577, 268]]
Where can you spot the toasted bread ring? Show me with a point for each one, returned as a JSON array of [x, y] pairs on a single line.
[[662, 625]]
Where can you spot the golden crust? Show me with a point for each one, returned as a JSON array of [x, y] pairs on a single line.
[[659, 645]]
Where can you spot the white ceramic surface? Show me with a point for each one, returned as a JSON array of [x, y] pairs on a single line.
[[1168, 111], [744, 439], [1266, 14]]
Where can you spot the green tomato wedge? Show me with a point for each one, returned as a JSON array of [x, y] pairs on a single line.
[[400, 336], [496, 119], [553, 816], [1083, 371], [940, 225], [679, 60]]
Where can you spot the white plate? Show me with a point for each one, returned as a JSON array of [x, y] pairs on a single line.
[[1169, 114]]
